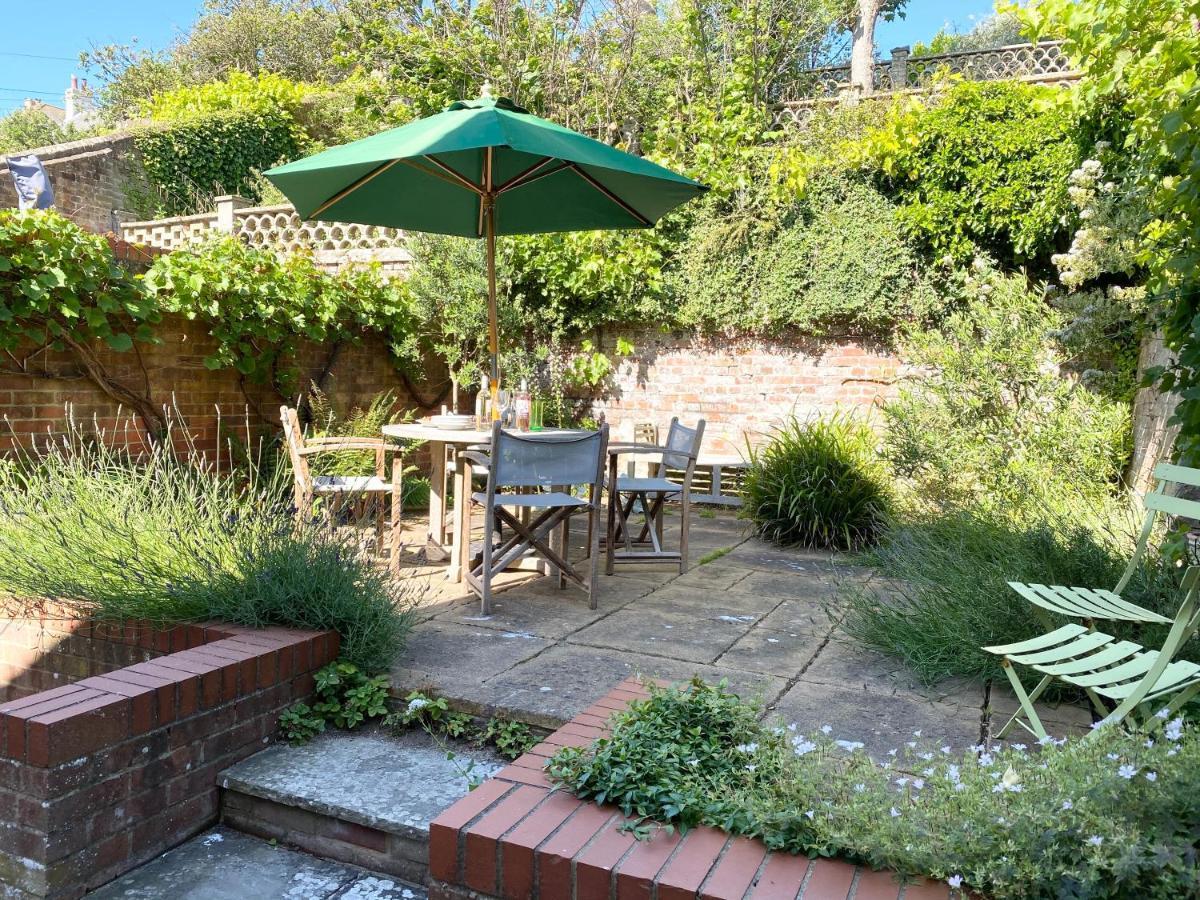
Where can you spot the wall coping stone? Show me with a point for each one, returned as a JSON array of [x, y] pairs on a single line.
[[517, 836]]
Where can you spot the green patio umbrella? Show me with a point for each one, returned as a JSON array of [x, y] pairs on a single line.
[[482, 168]]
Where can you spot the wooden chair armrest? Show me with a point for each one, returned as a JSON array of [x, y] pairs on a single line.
[[477, 459]]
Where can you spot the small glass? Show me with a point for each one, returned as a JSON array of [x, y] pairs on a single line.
[[536, 412]]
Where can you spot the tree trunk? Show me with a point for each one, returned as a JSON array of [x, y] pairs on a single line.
[[1152, 439], [862, 53]]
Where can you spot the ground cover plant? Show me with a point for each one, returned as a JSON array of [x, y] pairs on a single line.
[[817, 483], [169, 537], [1114, 816]]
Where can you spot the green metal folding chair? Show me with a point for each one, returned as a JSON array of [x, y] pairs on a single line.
[[1122, 673]]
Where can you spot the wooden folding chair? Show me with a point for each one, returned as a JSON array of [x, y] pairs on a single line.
[[1119, 672], [528, 492], [342, 489], [649, 495]]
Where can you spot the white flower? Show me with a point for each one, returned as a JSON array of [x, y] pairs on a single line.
[[946, 749], [1127, 771], [955, 881], [850, 746], [750, 767], [952, 772], [1149, 743], [1152, 776], [826, 729], [1067, 804], [416, 703], [1112, 756], [1011, 781], [928, 773], [892, 752], [802, 746], [1162, 713], [918, 783], [746, 748], [901, 782], [811, 814], [895, 813], [859, 788], [1174, 729], [926, 756], [1095, 840]]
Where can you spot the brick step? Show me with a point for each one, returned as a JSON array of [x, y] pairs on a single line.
[[364, 798]]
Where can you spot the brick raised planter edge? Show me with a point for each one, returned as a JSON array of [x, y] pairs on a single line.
[[101, 775], [516, 837]]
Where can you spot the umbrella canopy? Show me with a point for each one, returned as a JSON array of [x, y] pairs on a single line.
[[481, 168]]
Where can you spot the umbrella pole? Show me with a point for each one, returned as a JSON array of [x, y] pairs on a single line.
[[489, 202]]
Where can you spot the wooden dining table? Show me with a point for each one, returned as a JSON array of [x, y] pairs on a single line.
[[449, 474]]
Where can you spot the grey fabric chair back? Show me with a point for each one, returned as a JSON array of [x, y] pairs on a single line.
[[546, 461], [682, 443]]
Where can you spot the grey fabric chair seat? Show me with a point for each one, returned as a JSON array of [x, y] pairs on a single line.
[[655, 485], [532, 501], [350, 484]]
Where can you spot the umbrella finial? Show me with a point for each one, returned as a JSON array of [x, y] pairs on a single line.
[[486, 90]]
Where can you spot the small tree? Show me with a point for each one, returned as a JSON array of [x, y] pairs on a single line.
[[862, 52]]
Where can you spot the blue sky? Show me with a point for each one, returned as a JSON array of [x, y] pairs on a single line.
[[60, 29]]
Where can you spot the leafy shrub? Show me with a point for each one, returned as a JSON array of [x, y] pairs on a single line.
[[27, 129], [60, 285], [982, 169], [817, 483], [359, 421], [1114, 816], [190, 161], [260, 306], [833, 261], [169, 538], [992, 418], [946, 577], [343, 696]]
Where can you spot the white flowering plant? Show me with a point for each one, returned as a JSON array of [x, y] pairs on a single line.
[[1116, 815]]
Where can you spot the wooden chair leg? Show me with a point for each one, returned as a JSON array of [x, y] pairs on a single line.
[[614, 499], [564, 549], [380, 508], [397, 512], [594, 554], [485, 575]]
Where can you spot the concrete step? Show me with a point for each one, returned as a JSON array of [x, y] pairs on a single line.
[[223, 864], [365, 798]]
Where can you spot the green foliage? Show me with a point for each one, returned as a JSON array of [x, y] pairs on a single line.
[[434, 715], [1139, 57], [343, 696], [994, 419], [25, 129], [164, 537], [1111, 817], [328, 420], [817, 483], [834, 261], [59, 285], [982, 169], [947, 577], [191, 160], [267, 95], [259, 306]]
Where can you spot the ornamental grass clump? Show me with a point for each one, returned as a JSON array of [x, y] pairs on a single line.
[[167, 537], [818, 483], [1116, 815]]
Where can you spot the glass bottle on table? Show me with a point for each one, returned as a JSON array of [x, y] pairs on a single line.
[[521, 405]]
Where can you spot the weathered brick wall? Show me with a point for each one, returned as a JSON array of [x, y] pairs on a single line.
[[47, 648], [102, 775], [173, 373], [741, 386], [93, 179]]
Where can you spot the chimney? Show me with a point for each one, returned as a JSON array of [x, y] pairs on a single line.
[[79, 105]]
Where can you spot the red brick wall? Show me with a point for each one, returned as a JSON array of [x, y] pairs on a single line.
[[741, 386], [173, 374], [47, 649], [104, 774]]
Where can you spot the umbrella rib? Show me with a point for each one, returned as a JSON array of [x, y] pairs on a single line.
[[461, 180], [515, 183], [525, 173], [609, 194], [340, 195]]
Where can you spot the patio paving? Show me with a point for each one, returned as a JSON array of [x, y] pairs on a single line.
[[765, 619]]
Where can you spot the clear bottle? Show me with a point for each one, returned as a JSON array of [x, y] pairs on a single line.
[[482, 420], [522, 404]]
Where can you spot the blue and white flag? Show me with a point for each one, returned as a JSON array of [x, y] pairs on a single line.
[[34, 190]]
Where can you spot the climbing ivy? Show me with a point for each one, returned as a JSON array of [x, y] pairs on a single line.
[[260, 307]]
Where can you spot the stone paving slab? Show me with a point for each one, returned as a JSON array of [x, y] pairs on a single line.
[[766, 618], [223, 864], [880, 720], [556, 685], [394, 783]]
